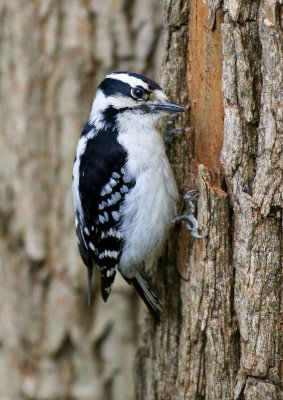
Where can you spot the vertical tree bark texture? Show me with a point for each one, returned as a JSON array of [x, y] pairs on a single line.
[[220, 335], [52, 56]]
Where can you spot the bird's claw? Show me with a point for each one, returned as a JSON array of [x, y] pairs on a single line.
[[169, 131], [191, 222]]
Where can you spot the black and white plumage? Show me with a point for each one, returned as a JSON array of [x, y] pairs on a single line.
[[123, 187]]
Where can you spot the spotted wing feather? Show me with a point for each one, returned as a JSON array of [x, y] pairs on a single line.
[[103, 190]]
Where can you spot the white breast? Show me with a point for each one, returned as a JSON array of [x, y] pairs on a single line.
[[149, 208]]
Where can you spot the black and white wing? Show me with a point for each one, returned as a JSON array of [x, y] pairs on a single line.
[[100, 184]]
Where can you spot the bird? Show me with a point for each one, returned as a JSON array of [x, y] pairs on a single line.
[[123, 187]]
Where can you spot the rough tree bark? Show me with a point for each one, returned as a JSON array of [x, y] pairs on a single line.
[[220, 335], [52, 55]]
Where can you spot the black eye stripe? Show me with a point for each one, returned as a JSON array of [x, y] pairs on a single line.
[[114, 87]]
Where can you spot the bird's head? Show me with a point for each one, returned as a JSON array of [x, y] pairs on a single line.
[[131, 93]]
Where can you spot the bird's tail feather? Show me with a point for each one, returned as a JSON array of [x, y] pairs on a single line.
[[143, 285]]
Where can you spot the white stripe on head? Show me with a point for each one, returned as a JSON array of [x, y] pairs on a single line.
[[102, 102], [131, 80], [121, 101], [160, 95]]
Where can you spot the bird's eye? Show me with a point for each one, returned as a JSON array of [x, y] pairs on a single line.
[[139, 93]]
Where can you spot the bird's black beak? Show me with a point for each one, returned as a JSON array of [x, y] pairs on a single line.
[[167, 106]]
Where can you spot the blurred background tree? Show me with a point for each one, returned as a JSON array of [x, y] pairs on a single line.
[[52, 56], [220, 335]]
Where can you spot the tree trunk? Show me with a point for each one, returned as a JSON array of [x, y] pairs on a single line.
[[52, 56], [220, 335]]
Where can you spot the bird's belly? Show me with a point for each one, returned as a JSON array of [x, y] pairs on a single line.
[[147, 212]]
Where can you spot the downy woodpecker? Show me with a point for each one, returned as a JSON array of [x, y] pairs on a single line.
[[123, 186]]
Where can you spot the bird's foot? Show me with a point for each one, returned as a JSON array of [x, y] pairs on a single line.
[[170, 132], [191, 222]]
